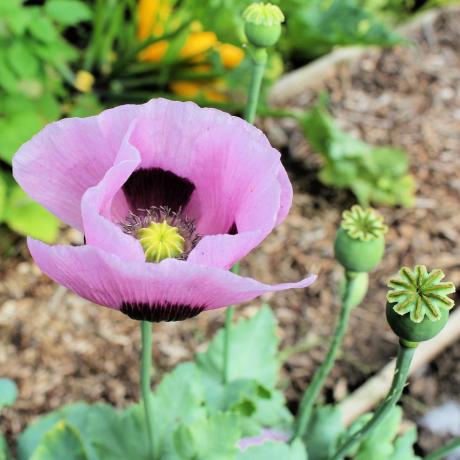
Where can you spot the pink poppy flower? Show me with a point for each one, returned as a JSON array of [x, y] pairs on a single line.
[[168, 195]]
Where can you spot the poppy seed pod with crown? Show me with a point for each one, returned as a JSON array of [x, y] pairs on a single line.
[[418, 304], [262, 24], [360, 242]]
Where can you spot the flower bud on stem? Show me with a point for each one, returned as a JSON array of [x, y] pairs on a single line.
[[263, 29], [417, 310]]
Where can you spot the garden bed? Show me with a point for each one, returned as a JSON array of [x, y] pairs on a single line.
[[59, 348]]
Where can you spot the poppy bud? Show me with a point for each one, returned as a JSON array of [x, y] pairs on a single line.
[[418, 304], [263, 24], [360, 242]]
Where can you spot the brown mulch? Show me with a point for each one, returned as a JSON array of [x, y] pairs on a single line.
[[59, 348]]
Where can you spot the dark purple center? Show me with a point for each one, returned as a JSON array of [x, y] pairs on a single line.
[[156, 187], [157, 313]]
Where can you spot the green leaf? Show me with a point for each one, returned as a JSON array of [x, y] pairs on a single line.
[[253, 351], [3, 191], [323, 432], [212, 437], [4, 451], [21, 60], [8, 392], [179, 399], [378, 445], [68, 12], [373, 174], [75, 415], [43, 29], [25, 216], [62, 441], [316, 26], [404, 446], [275, 451]]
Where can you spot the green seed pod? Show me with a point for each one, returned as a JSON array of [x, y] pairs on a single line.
[[418, 304], [360, 243], [263, 24]]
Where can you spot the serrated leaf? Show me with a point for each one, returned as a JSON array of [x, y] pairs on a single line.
[[75, 415], [323, 432], [253, 351], [68, 12], [62, 441], [211, 437], [8, 392], [271, 450], [25, 216]]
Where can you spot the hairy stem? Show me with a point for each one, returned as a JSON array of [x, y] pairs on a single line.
[[146, 375], [443, 451], [320, 376], [405, 355]]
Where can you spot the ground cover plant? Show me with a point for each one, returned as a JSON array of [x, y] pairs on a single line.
[[178, 213]]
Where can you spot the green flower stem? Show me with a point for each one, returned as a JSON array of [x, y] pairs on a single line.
[[403, 362], [259, 61], [320, 376], [146, 375], [443, 451], [228, 334]]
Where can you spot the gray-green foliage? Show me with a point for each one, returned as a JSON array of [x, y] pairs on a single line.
[[196, 416], [34, 64], [374, 174]]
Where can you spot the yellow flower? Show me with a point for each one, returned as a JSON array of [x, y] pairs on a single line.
[[197, 44], [230, 55], [84, 81], [152, 17], [193, 90]]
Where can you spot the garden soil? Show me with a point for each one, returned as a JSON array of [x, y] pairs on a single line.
[[60, 348]]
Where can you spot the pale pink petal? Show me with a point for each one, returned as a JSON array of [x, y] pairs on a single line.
[[67, 157], [100, 228], [110, 281], [286, 195]]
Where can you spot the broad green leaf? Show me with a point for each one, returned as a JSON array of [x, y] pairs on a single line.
[[404, 446], [75, 415], [21, 60], [323, 432], [61, 442], [212, 437], [378, 445], [16, 129], [8, 392], [117, 435], [275, 451], [4, 451], [179, 399], [25, 216], [3, 189], [68, 12], [373, 174], [43, 29], [8, 80], [253, 351]]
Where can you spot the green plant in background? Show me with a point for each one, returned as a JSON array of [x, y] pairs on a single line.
[[374, 174], [35, 63]]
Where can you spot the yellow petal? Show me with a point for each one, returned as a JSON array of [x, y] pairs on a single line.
[[193, 90], [155, 52], [198, 43], [230, 55], [152, 16]]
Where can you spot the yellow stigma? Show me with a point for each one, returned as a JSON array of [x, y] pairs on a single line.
[[160, 241]]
